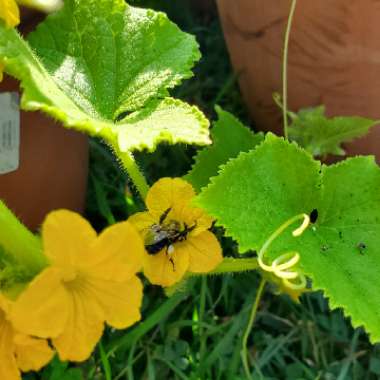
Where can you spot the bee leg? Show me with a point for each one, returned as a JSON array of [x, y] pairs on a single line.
[[169, 253], [192, 227], [164, 215], [183, 234], [171, 260]]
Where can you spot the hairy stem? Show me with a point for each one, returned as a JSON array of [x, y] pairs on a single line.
[[285, 68], [251, 320], [130, 165], [202, 308], [229, 265], [19, 242]]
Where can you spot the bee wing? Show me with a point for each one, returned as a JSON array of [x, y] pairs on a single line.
[[154, 234], [150, 237]]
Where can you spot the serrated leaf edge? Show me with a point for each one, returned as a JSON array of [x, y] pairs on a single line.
[[270, 137], [199, 155], [167, 137]]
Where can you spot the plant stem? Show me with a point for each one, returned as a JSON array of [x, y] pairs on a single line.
[[130, 165], [20, 243], [202, 308], [244, 349], [229, 265], [285, 68]]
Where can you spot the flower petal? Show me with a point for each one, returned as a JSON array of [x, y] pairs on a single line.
[[83, 329], [42, 309], [159, 270], [194, 216], [9, 12], [117, 254], [168, 193], [31, 354], [121, 302], [176, 194], [8, 365], [142, 221], [5, 304], [204, 251], [66, 237]]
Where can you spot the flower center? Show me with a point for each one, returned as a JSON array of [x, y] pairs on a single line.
[[69, 274]]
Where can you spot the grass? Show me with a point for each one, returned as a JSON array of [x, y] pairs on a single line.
[[197, 333]]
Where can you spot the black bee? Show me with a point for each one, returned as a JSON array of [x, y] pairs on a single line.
[[165, 234]]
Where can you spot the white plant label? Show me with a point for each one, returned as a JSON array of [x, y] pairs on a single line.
[[9, 132]]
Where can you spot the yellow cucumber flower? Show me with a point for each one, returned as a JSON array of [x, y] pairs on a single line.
[[19, 351], [91, 280], [10, 13], [175, 233]]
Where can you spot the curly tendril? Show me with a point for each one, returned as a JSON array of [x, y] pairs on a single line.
[[284, 266]]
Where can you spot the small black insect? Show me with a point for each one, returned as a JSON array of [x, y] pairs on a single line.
[[361, 247], [324, 248], [165, 234], [314, 216]]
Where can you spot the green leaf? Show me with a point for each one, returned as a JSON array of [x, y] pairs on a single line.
[[320, 135], [230, 137], [168, 120], [58, 370], [348, 238], [101, 66], [260, 190], [275, 182]]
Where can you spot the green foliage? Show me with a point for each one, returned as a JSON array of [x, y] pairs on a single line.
[[320, 135], [230, 137], [13, 275], [105, 68], [289, 341], [59, 371], [277, 179], [260, 190], [15, 238], [169, 120]]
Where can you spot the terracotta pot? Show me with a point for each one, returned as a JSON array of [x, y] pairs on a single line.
[[53, 168], [53, 165], [334, 58]]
